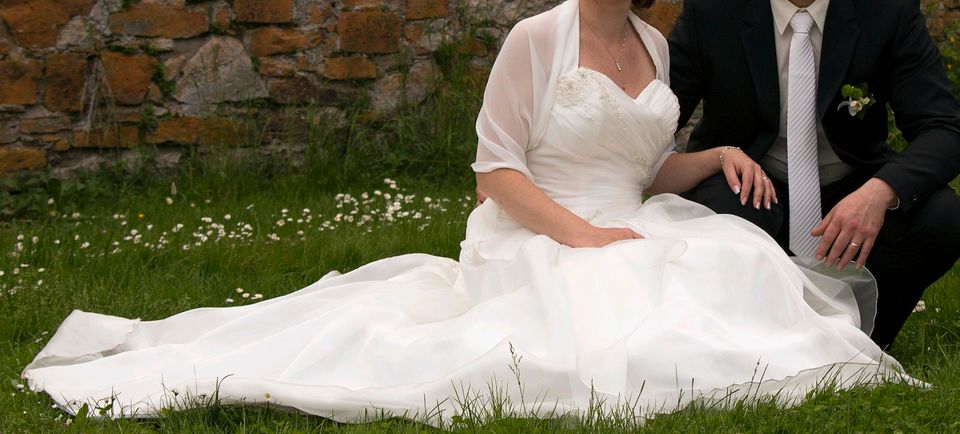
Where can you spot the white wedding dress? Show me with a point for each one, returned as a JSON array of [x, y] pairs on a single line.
[[706, 307]]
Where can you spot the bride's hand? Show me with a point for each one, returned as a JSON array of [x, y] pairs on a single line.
[[746, 178], [600, 237], [481, 198]]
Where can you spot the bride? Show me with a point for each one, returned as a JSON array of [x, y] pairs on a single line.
[[566, 278]]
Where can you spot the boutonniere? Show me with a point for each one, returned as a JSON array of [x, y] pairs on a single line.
[[858, 100]]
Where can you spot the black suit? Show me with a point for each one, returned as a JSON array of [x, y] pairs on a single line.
[[723, 52]]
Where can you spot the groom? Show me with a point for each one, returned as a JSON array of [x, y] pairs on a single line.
[[802, 86]]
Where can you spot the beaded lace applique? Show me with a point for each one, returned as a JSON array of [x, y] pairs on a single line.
[[575, 87], [572, 88]]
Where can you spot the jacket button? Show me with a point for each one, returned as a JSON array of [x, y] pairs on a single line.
[[916, 198]]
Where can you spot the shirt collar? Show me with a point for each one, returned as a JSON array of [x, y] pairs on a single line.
[[784, 10]]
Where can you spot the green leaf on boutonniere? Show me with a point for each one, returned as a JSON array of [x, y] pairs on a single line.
[[858, 100], [851, 91]]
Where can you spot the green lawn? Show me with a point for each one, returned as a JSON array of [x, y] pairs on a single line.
[[130, 256]]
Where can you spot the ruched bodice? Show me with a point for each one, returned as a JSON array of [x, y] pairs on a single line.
[[601, 147]]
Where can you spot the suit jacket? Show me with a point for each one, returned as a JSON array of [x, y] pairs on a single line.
[[723, 52]]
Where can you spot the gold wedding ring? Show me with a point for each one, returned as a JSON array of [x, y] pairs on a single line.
[[854, 245]]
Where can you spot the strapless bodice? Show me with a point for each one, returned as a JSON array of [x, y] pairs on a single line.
[[602, 147]]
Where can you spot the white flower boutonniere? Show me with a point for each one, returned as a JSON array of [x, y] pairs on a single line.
[[858, 100]]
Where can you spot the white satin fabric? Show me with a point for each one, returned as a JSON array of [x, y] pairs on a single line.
[[707, 307]]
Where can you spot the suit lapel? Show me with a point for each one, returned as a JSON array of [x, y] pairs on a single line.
[[761, 50], [839, 41]]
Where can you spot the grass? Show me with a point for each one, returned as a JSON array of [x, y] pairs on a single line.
[[101, 256]]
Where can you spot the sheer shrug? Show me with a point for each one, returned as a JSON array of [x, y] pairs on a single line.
[[522, 86]]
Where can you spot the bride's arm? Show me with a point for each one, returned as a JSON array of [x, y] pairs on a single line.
[[685, 170], [504, 131], [532, 208], [681, 172]]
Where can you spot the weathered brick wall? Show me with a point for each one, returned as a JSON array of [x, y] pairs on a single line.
[[942, 15], [83, 82]]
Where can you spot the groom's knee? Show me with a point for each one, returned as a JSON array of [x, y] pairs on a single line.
[[938, 222], [715, 193], [929, 229]]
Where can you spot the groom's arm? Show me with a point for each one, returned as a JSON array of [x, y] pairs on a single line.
[[686, 69], [929, 116], [926, 111]]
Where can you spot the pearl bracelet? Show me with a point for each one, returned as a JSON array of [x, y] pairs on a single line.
[[724, 151]]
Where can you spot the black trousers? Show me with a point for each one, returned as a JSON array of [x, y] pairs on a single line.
[[913, 250]]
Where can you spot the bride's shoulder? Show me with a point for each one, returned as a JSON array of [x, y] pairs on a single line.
[[659, 41], [654, 32], [539, 28]]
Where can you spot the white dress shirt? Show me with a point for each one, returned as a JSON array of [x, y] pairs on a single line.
[[832, 169]]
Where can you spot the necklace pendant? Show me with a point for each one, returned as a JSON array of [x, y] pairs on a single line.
[[619, 68]]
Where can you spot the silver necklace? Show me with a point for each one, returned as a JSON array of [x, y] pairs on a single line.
[[623, 43]]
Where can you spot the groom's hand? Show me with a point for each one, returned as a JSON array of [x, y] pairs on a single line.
[[851, 227]]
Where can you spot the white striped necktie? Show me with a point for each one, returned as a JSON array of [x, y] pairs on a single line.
[[803, 175]]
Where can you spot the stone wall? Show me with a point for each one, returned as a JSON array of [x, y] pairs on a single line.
[[83, 82]]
